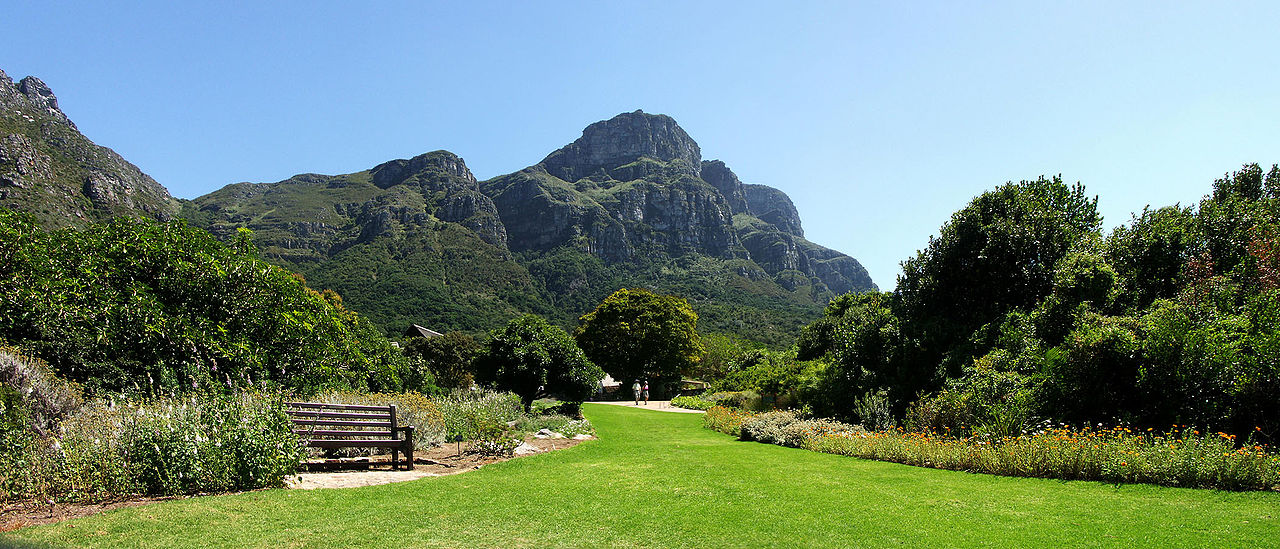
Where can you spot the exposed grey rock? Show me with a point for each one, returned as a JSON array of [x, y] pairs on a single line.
[[22, 165], [725, 181], [475, 211], [40, 96], [773, 206], [435, 170], [623, 140]]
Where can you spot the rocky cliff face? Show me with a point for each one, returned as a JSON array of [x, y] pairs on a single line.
[[49, 169], [629, 186], [621, 141]]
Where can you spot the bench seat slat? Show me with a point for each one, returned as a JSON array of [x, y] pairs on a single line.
[[328, 406], [382, 443], [326, 433], [310, 414], [386, 424]]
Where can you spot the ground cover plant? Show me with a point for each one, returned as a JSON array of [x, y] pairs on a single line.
[[1178, 457], [655, 479]]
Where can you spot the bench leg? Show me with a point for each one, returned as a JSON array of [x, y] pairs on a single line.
[[395, 460]]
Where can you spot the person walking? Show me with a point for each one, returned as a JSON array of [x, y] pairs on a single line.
[[635, 390], [646, 392]]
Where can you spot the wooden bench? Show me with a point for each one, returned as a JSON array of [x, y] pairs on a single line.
[[332, 426]]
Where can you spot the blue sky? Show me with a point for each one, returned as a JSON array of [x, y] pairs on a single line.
[[878, 119]]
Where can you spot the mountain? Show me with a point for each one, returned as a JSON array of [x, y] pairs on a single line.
[[47, 168], [630, 203]]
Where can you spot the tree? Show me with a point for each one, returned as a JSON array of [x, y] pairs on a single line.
[[447, 357], [637, 334], [996, 255], [532, 359]]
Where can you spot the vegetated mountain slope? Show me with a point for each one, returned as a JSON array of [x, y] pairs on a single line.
[[409, 241], [629, 204], [49, 169]]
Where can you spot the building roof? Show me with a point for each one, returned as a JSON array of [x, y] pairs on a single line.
[[418, 331]]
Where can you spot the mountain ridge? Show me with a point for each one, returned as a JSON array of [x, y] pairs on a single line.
[[630, 203], [51, 170]]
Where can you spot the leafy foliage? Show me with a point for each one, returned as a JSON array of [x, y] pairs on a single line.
[[150, 307], [637, 334], [448, 358], [532, 358], [1019, 310]]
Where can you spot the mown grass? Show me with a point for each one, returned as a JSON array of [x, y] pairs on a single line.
[[660, 480]]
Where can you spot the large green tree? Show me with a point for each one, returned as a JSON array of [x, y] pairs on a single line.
[[143, 306], [448, 358], [996, 255], [532, 359], [637, 334]]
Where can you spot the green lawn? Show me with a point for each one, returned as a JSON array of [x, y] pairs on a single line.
[[660, 480]]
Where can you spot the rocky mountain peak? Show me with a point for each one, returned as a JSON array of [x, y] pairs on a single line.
[[621, 140], [436, 169], [31, 93], [47, 167]]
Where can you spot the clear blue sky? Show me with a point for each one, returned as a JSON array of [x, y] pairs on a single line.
[[879, 119]]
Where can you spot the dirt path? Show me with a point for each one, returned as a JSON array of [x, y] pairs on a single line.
[[656, 405]]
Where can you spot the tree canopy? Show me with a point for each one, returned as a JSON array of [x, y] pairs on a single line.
[[532, 358], [143, 306], [637, 334]]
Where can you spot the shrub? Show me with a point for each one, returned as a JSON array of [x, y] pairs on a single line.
[[744, 400], [162, 447], [799, 433], [493, 438], [464, 411], [1174, 458], [726, 420], [46, 398], [872, 409], [692, 403], [555, 423], [767, 427]]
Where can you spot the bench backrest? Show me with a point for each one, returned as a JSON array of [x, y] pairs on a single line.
[[314, 420]]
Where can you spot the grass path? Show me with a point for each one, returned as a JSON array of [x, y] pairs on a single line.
[[661, 480]]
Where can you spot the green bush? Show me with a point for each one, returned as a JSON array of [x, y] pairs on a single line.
[[798, 433], [156, 308], [692, 403], [465, 411], [494, 438], [44, 397], [726, 420]]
